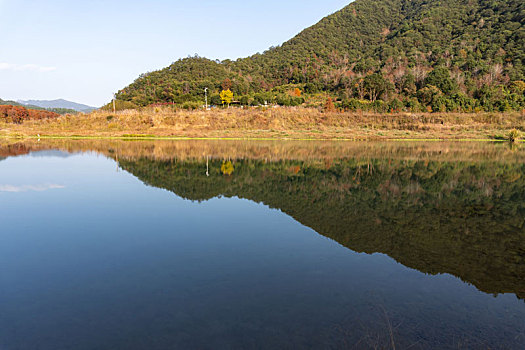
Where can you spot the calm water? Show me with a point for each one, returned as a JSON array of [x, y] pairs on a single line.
[[235, 245]]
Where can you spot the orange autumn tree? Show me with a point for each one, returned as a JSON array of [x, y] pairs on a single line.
[[329, 105], [226, 84]]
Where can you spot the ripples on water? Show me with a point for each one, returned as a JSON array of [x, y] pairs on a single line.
[[221, 245]]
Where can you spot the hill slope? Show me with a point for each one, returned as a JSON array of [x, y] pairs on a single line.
[[412, 54]]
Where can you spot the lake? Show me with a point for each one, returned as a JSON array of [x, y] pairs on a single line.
[[261, 245]]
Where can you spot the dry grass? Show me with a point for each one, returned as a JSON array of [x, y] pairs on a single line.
[[295, 123]]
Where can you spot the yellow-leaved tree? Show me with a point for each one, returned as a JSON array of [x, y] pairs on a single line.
[[226, 97], [227, 168]]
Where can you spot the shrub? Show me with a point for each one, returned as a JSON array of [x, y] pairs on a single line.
[[413, 105], [244, 100], [379, 106], [191, 105], [513, 135], [120, 105], [311, 88], [395, 106], [329, 106], [354, 104], [215, 100]]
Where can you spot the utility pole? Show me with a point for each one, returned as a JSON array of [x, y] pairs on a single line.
[[114, 98], [206, 98]]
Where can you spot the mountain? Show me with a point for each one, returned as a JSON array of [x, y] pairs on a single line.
[[37, 108], [58, 104], [417, 55]]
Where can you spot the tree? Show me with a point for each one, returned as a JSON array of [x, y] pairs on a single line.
[[375, 86], [518, 87], [360, 88], [440, 78], [227, 168], [245, 100], [226, 84], [408, 84], [429, 95], [226, 97]]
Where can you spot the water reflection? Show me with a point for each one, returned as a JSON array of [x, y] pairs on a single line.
[[462, 218], [439, 208]]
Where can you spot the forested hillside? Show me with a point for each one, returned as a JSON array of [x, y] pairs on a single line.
[[384, 55]]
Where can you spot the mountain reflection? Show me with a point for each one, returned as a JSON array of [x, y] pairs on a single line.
[[438, 208]]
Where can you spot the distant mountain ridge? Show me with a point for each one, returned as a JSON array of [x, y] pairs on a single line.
[[33, 107], [60, 103]]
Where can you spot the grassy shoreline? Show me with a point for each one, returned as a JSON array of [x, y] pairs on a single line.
[[177, 138], [269, 124]]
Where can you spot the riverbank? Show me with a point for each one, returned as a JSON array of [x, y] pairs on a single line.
[[270, 123]]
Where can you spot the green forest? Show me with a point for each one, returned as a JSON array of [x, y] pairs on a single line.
[[373, 55]]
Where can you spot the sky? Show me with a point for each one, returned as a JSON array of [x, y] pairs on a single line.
[[84, 51]]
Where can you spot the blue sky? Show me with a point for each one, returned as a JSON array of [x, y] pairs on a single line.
[[85, 50]]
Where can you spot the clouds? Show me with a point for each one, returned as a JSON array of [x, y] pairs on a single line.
[[27, 188], [25, 67]]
